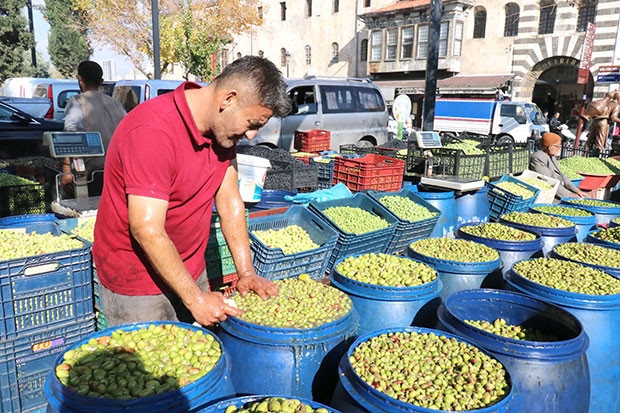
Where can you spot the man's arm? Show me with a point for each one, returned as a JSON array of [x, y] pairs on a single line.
[[231, 210], [147, 217]]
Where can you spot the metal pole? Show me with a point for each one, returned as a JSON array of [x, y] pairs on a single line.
[[432, 61], [357, 43], [156, 51], [33, 49]]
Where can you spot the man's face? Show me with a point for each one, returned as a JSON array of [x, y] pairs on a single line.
[[555, 149], [240, 121]]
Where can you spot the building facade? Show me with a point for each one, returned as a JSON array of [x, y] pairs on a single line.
[[529, 50]]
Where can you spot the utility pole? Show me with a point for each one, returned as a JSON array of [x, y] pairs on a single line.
[[156, 51], [33, 49], [432, 61]]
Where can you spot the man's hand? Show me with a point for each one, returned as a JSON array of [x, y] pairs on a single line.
[[261, 286], [210, 308]]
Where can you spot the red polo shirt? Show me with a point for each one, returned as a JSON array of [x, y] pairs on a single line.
[[158, 152]]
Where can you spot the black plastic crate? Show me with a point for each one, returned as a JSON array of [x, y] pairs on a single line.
[[415, 161], [353, 149], [457, 163], [520, 158], [291, 176], [26, 198], [498, 161]]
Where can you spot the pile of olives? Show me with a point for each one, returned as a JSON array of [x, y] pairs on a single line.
[[568, 276], [589, 253], [430, 370], [537, 220], [608, 234], [405, 208], [563, 210], [537, 183], [468, 146], [495, 230], [275, 405], [291, 239], [454, 250], [139, 363], [592, 202], [302, 303], [515, 189], [355, 220], [572, 165], [500, 327], [85, 230], [14, 180], [14, 244], [387, 270]]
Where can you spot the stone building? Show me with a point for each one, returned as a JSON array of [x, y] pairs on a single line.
[[530, 50]]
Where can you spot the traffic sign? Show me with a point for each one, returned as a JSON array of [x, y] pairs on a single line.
[[608, 78]]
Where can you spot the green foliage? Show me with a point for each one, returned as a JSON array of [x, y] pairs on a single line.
[[15, 39]]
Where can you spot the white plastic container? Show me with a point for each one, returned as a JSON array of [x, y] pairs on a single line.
[[252, 172], [545, 196]]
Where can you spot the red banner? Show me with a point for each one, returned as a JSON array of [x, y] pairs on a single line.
[[586, 55]]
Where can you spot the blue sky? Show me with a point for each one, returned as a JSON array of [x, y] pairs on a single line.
[[41, 29]]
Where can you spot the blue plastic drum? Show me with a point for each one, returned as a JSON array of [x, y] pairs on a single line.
[[584, 224], [472, 206], [445, 202]]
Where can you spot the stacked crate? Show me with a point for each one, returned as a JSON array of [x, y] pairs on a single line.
[[20, 196]]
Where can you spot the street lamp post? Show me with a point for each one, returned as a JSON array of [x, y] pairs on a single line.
[[288, 61]]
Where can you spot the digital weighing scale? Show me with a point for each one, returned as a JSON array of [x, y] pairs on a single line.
[[75, 145], [430, 140]]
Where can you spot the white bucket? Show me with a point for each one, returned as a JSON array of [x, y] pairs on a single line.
[[252, 171]]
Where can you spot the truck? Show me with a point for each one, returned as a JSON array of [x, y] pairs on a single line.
[[503, 121]]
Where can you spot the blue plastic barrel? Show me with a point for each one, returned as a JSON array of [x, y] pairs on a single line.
[[614, 223], [615, 271], [39, 223], [550, 236], [457, 275], [604, 214], [472, 206], [353, 395], [238, 402], [509, 251], [380, 306], [600, 317], [215, 385], [584, 224], [549, 376], [591, 238], [445, 202], [297, 362]]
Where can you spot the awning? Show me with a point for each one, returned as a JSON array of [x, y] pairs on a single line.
[[474, 84]]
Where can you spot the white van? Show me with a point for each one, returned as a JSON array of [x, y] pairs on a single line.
[[353, 110], [132, 92], [59, 91]]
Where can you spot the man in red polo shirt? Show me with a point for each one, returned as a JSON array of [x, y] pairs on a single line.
[[169, 161]]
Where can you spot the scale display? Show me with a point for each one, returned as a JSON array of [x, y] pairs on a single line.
[[74, 144], [428, 139]]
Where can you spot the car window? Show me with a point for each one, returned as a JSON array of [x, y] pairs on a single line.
[[40, 92], [64, 96], [337, 99], [127, 95], [370, 99], [5, 114], [163, 91], [304, 98]]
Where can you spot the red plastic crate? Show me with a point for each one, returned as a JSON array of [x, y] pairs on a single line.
[[314, 140], [304, 156], [226, 284], [377, 172]]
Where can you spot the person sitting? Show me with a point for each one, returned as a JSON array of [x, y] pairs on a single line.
[[544, 162]]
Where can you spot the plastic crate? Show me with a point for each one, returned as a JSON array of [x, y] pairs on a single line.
[[69, 225], [398, 153], [407, 231], [325, 167], [43, 290], [377, 172], [498, 161], [520, 158], [291, 177], [219, 264], [314, 140], [226, 284], [26, 361], [101, 321], [502, 201], [415, 160], [349, 243], [545, 196], [28, 198], [456, 162], [304, 156], [353, 149], [273, 264]]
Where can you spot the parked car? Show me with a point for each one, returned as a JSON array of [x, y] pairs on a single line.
[[133, 92], [37, 107], [22, 134], [59, 91], [352, 109]]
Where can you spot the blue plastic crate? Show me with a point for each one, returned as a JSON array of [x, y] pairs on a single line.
[[26, 361], [407, 231], [349, 243], [69, 225], [273, 264], [40, 291], [502, 201]]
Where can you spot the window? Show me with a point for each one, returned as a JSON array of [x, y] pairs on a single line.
[[308, 54], [511, 25], [406, 48], [283, 57], [480, 22], [391, 44], [364, 50], [422, 41], [304, 98], [377, 45], [347, 99], [547, 16], [335, 52], [308, 8], [458, 39], [587, 14], [366, 3], [283, 11], [336, 6], [443, 39]]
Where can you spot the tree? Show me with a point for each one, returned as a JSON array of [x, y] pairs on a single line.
[[15, 39], [68, 43], [126, 27]]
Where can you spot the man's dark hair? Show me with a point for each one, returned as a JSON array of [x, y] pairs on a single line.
[[91, 73], [264, 80]]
